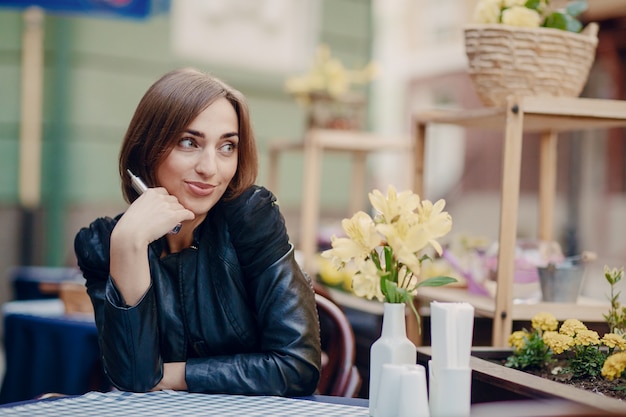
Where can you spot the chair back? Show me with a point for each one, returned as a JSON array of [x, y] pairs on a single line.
[[339, 376]]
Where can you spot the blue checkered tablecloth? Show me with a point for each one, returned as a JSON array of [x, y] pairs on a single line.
[[175, 403]]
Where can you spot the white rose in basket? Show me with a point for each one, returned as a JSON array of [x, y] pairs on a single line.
[[530, 13]]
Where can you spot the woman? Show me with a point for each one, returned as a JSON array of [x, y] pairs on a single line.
[[221, 306]]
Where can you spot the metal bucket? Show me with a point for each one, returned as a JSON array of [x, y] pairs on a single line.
[[562, 283]]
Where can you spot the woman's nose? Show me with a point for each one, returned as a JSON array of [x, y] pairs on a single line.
[[206, 164]]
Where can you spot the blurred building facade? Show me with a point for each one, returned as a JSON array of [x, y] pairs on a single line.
[[96, 69]]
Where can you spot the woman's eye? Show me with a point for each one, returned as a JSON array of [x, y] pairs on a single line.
[[187, 143], [228, 147]]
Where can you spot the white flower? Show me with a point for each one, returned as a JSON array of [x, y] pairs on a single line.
[[488, 11], [366, 283], [511, 3], [521, 16]]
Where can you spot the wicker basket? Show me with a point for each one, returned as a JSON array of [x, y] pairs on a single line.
[[506, 60]]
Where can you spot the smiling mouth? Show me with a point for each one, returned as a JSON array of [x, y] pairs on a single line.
[[201, 189]]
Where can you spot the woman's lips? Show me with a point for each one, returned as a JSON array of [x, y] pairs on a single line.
[[200, 188]]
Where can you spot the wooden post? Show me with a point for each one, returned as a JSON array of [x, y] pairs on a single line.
[[31, 108], [547, 184], [29, 179], [511, 170]]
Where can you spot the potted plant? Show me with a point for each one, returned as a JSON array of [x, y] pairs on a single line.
[[550, 361], [528, 47]]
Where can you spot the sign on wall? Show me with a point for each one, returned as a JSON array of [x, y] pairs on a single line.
[[136, 9], [261, 35]]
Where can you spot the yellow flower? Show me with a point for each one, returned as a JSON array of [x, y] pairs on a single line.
[[406, 239], [328, 75], [362, 238], [436, 222], [394, 205], [517, 339], [557, 342], [572, 326], [544, 322], [614, 365], [521, 16], [586, 338], [487, 11], [366, 282], [613, 340]]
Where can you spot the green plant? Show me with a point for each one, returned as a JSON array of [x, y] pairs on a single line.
[[531, 13], [616, 317], [529, 349]]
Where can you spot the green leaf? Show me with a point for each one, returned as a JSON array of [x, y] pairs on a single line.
[[575, 8], [562, 21], [394, 294], [436, 281], [533, 4], [389, 262]]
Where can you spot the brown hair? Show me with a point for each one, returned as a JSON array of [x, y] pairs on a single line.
[[163, 114]]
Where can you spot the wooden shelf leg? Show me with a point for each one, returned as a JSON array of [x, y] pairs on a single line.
[[358, 181], [272, 180], [511, 170], [418, 159], [309, 213], [547, 184]]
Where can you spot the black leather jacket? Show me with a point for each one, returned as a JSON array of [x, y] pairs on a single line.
[[235, 306]]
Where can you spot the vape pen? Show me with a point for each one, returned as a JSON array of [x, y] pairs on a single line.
[[141, 187]]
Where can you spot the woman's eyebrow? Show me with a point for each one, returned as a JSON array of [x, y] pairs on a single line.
[[201, 135], [195, 132]]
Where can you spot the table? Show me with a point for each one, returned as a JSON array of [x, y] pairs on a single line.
[[49, 351], [545, 115], [178, 403]]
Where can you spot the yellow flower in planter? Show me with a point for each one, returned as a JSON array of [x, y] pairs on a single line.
[[613, 340], [558, 342], [517, 339], [587, 338], [614, 366], [544, 322], [572, 326]]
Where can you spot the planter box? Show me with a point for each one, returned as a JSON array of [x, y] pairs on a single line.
[[492, 382]]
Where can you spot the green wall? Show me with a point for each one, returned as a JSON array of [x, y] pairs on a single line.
[[95, 73]]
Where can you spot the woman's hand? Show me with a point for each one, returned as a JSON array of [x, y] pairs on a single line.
[[173, 377], [151, 216]]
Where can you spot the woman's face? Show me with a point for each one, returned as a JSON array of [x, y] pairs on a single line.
[[204, 160]]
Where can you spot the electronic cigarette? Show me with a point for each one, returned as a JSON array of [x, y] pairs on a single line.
[[141, 187]]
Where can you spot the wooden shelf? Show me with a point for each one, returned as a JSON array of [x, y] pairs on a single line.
[[548, 116], [585, 309]]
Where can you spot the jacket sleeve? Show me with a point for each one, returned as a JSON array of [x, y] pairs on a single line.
[[128, 336], [289, 359]]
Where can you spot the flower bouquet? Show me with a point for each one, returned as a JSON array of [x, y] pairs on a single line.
[[386, 252]]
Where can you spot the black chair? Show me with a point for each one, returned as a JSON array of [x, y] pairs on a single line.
[[340, 376]]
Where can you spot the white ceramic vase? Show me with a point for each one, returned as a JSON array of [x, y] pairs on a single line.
[[392, 347]]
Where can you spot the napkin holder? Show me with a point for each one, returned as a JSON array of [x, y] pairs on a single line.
[[450, 391]]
